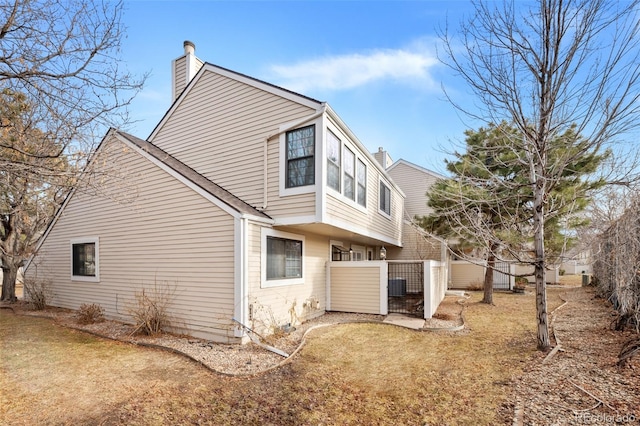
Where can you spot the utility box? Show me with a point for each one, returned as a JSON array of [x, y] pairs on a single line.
[[585, 280], [397, 287]]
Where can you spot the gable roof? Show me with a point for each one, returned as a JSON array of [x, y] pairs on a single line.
[[415, 166], [221, 197], [318, 106], [190, 175], [234, 75]]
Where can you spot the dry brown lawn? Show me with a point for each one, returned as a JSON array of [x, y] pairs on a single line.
[[346, 374], [572, 280]]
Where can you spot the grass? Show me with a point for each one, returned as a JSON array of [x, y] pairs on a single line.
[[573, 280], [348, 374], [52, 375]]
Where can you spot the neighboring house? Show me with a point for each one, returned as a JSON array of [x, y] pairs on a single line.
[[577, 261], [240, 207], [414, 181]]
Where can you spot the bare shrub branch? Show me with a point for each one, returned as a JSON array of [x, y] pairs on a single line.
[[151, 308]]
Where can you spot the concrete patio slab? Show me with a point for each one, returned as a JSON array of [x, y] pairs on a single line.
[[404, 321]]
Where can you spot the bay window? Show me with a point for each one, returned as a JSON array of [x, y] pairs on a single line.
[[349, 174], [333, 161]]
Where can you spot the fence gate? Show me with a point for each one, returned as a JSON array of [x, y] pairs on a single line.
[[501, 277], [406, 288]]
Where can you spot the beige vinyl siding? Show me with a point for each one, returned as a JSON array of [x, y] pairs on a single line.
[[356, 289], [219, 130], [436, 289], [300, 205], [180, 76], [465, 274], [416, 245], [163, 235], [414, 182], [370, 219], [273, 306]]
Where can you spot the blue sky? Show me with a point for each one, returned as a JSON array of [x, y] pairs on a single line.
[[374, 62]]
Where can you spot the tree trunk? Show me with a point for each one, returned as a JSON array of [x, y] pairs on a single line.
[[9, 275], [488, 279], [539, 267]]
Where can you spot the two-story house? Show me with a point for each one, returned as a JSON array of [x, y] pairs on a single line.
[[233, 208]]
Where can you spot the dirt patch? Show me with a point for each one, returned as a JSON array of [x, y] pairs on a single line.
[[449, 315]]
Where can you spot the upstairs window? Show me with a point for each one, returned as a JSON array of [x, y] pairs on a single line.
[[385, 199], [333, 161], [300, 148], [349, 174], [346, 170], [362, 183]]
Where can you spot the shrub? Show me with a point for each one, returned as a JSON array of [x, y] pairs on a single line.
[[476, 286], [521, 282], [37, 293], [151, 308], [89, 314]]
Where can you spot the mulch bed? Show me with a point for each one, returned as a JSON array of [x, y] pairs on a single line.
[[581, 383]]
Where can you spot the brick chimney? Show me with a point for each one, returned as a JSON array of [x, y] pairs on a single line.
[[184, 69]]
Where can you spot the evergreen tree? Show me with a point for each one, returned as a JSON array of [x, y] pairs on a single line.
[[33, 181], [487, 204]]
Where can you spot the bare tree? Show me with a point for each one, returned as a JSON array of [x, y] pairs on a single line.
[[544, 68], [59, 60]]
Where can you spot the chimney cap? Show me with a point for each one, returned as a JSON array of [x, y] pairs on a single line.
[[189, 47]]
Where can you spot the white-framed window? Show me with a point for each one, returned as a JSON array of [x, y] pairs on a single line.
[[362, 183], [282, 258], [359, 253], [385, 199], [333, 161], [85, 259], [349, 173], [300, 157], [346, 170]]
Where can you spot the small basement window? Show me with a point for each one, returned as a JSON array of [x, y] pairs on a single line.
[[84, 259]]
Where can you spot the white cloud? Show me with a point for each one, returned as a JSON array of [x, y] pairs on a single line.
[[409, 66]]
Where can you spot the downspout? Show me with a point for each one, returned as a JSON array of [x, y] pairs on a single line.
[[298, 123], [241, 292]]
